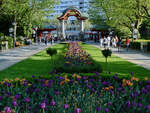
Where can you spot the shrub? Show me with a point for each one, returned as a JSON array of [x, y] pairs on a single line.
[[148, 46], [106, 53], [51, 51], [135, 45]]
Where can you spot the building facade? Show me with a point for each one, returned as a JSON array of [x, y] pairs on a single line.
[[82, 5]]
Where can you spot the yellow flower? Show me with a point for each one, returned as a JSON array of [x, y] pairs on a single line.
[[29, 84], [135, 79], [78, 76], [145, 78], [17, 79], [6, 80]]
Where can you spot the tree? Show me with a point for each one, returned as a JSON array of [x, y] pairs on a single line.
[[51, 52], [106, 53], [26, 13], [120, 14]]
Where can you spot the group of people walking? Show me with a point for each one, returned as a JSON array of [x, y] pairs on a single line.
[[46, 40], [114, 42]]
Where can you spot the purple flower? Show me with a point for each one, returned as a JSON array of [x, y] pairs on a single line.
[[110, 103], [7, 109], [14, 103], [27, 100], [85, 77], [43, 105], [78, 110], [134, 104], [1, 98], [148, 87], [139, 105], [53, 103], [123, 92], [98, 109], [144, 91], [17, 96], [56, 92], [45, 100], [118, 89], [33, 76], [66, 106], [148, 107], [89, 86], [132, 73], [38, 90], [135, 93], [106, 110]]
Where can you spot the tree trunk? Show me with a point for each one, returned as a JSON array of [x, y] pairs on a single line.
[[106, 65]]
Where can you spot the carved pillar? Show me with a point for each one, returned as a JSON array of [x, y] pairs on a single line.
[[63, 29], [82, 26]]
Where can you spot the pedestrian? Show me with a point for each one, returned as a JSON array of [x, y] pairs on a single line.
[[51, 40], [39, 40], [114, 42], [108, 41], [127, 43], [46, 40], [119, 43], [101, 42], [105, 42]]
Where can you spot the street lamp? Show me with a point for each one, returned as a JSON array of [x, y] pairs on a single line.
[[11, 30], [134, 32], [14, 30]]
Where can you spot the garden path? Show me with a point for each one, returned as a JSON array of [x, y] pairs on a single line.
[[13, 56], [134, 56]]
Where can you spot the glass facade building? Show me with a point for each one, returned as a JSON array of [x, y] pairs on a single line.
[[82, 5]]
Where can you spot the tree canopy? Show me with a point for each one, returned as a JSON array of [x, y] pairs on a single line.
[[120, 14], [26, 13]]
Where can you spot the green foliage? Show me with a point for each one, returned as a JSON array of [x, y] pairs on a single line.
[[135, 45], [119, 14], [51, 51], [26, 13], [106, 53]]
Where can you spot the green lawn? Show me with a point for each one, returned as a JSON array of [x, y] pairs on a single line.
[[116, 64], [39, 64]]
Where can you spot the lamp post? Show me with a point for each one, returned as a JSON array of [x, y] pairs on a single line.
[[14, 37], [11, 30], [132, 25]]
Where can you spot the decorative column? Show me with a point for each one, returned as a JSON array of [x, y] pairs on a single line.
[[63, 29], [82, 26]]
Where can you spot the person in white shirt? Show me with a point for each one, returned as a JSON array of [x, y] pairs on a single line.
[[108, 41], [105, 42], [101, 42]]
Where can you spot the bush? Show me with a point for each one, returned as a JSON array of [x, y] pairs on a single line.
[[148, 46], [9, 39], [51, 51], [135, 45]]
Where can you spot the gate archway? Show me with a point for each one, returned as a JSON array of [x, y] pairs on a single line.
[[71, 12]]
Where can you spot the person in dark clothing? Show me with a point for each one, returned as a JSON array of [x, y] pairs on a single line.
[[46, 40], [119, 43]]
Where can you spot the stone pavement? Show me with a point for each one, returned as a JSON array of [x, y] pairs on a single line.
[[136, 57], [13, 56]]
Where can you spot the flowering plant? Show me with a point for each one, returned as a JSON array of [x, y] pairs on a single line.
[[75, 93]]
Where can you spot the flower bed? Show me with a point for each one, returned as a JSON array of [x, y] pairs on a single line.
[[77, 60], [75, 94]]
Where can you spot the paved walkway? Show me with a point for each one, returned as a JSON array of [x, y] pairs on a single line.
[[136, 57], [13, 56]]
